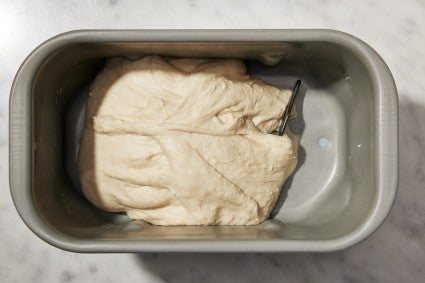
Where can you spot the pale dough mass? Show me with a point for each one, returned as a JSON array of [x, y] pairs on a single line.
[[184, 142]]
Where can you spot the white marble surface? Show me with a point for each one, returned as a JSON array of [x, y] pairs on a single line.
[[395, 253]]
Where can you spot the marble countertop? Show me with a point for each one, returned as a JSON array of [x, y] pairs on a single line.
[[395, 253]]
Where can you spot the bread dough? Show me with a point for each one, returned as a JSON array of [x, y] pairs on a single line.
[[184, 142]]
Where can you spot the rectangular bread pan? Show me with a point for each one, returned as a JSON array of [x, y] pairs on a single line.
[[341, 191]]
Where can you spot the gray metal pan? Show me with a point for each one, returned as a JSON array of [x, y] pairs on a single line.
[[347, 123]]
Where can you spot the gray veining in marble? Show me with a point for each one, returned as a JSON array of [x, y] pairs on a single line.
[[395, 253]]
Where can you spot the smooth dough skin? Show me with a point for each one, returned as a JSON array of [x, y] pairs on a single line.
[[184, 142]]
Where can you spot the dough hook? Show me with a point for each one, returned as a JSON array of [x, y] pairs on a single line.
[[285, 117]]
